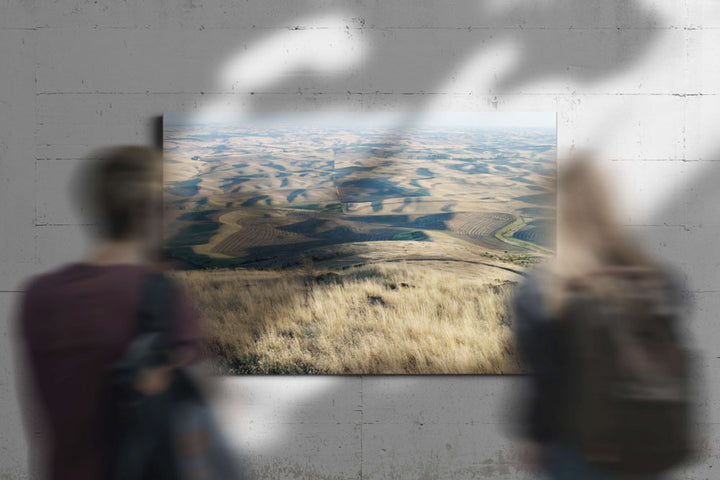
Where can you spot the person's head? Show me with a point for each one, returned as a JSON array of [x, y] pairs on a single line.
[[590, 236], [590, 233], [586, 217], [122, 188]]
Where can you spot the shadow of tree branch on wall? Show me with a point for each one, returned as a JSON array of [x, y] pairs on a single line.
[[404, 69]]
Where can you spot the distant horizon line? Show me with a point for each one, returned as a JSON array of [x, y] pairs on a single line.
[[378, 120]]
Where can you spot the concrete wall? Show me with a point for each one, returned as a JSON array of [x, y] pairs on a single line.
[[636, 80]]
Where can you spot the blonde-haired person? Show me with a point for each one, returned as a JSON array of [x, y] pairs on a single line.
[[77, 320], [591, 242]]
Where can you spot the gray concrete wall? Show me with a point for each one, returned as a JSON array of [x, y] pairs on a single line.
[[636, 80]]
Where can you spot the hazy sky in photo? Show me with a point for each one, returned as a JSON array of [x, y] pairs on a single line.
[[382, 120]]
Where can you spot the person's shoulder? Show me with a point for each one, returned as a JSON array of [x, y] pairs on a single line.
[[673, 277], [178, 289], [530, 298], [531, 285], [43, 282], [675, 285], [37, 292], [56, 280]]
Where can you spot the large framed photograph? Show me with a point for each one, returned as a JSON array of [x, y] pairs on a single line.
[[359, 243]]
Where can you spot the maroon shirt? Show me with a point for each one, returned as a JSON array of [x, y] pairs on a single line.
[[74, 323]]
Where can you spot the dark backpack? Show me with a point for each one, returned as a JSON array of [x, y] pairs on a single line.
[[627, 405], [171, 435]]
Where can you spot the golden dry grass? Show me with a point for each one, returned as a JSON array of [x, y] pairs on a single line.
[[377, 319]]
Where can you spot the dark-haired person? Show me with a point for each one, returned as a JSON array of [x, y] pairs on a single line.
[[75, 321]]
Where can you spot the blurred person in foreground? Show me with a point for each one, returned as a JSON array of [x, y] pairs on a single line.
[[608, 393], [76, 321]]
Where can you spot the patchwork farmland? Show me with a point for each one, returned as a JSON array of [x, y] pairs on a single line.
[[291, 204]]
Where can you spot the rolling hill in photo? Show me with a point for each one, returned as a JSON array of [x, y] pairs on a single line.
[[311, 210]]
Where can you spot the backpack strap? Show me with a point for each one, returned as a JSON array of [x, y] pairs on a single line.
[[155, 305], [150, 345], [153, 317]]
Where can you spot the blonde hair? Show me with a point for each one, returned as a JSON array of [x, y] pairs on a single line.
[[591, 239]]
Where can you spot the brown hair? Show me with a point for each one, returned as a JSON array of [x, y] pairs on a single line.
[[122, 186]]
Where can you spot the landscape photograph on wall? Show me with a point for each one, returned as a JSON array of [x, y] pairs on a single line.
[[358, 243]]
